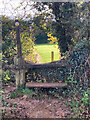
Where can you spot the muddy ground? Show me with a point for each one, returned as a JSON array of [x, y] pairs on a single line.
[[34, 108]]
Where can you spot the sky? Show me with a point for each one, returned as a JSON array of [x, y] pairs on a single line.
[[8, 7]]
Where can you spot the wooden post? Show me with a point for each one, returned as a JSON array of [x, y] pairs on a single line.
[[19, 74], [17, 77], [22, 78], [52, 56], [18, 61]]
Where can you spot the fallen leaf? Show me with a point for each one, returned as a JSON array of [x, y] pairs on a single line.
[[59, 81], [62, 114]]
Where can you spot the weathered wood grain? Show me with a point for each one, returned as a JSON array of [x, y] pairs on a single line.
[[46, 85], [32, 66]]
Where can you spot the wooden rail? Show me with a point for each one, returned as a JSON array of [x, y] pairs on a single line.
[[32, 66], [20, 73], [46, 85], [46, 65]]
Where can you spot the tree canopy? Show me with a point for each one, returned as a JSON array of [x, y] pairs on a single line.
[[71, 21]]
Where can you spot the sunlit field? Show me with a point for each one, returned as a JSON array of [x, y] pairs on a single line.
[[44, 50]]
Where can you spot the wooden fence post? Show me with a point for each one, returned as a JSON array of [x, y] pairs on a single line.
[[22, 78], [18, 61], [19, 73], [17, 77], [52, 56]]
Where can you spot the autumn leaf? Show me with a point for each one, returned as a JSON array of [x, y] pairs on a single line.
[[59, 81]]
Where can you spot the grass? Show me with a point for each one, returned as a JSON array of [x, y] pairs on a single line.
[[44, 50]]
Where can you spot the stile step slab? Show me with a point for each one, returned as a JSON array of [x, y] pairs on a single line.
[[46, 85]]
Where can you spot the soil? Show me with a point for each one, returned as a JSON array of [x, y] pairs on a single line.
[[34, 108]]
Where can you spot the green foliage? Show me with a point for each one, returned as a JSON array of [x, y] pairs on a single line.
[[77, 80], [9, 42], [20, 92], [28, 49], [28, 92], [70, 22], [81, 44], [9, 48], [41, 38], [71, 80], [2, 91], [8, 77], [78, 102], [55, 94], [5, 102], [7, 26], [40, 26]]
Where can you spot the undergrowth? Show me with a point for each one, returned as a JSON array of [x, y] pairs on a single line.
[[21, 92]]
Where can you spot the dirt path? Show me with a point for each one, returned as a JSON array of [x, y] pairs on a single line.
[[35, 108]]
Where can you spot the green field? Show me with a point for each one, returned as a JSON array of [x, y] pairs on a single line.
[[44, 50]]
